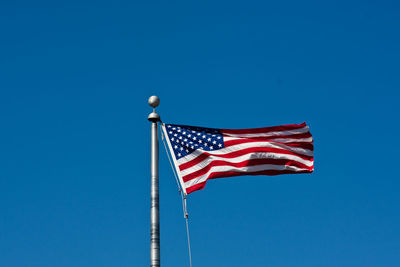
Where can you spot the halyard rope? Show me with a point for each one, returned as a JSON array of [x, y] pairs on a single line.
[[183, 198]]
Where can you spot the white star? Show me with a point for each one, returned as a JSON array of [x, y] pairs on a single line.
[[180, 137], [204, 136], [198, 134], [172, 139], [170, 132], [179, 130], [214, 142], [219, 137], [181, 148], [211, 147], [185, 139], [205, 144], [179, 154], [219, 145], [208, 139], [175, 146], [187, 151], [184, 133], [200, 141], [174, 128], [189, 135], [192, 147], [194, 138], [169, 126], [175, 135]]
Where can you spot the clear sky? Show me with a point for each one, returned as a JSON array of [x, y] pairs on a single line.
[[74, 138]]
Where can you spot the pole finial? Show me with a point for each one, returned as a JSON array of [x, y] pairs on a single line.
[[154, 101]]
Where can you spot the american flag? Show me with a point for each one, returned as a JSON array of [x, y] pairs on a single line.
[[200, 154]]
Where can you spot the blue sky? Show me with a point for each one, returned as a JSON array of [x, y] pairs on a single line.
[[74, 140]]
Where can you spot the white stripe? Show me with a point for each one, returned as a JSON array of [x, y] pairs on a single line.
[[293, 140], [237, 147], [304, 129], [280, 140], [255, 168], [251, 155]]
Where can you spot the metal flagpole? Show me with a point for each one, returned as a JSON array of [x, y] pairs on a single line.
[[154, 101]]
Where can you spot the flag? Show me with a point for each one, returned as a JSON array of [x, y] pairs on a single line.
[[200, 154]]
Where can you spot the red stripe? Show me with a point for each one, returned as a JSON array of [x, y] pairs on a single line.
[[195, 161], [196, 187], [214, 175], [241, 152], [264, 129], [250, 162]]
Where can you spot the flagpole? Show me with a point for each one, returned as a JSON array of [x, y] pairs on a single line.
[[154, 101]]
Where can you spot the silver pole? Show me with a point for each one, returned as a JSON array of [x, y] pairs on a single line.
[[154, 101]]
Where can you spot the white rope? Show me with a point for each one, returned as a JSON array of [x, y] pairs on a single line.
[[183, 197]]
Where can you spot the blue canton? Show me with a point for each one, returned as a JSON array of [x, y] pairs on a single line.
[[186, 139]]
